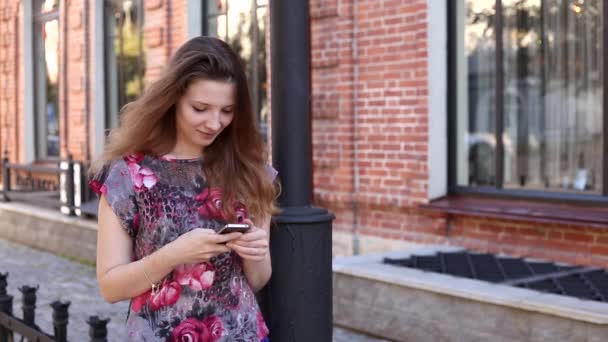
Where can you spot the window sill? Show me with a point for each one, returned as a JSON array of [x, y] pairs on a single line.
[[523, 210]]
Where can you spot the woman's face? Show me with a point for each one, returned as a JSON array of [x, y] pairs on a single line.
[[204, 111]]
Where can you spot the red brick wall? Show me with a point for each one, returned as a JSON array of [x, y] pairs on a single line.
[[370, 99], [370, 121], [74, 25], [11, 74], [165, 30], [566, 243]]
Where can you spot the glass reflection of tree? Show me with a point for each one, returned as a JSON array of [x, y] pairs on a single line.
[[551, 49], [245, 31], [129, 58]]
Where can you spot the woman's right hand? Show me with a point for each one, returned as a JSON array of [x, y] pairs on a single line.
[[199, 245]]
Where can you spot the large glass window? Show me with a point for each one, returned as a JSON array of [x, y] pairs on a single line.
[[46, 74], [242, 24], [530, 113], [124, 55]]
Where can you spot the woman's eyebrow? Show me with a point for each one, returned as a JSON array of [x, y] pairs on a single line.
[[207, 104], [200, 103]]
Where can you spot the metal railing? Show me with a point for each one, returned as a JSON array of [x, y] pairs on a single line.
[[27, 327], [35, 184]]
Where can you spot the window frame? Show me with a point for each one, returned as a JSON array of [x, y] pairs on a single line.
[[498, 190], [40, 124], [110, 81], [254, 81]]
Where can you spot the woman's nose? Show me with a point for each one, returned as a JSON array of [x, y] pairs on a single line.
[[214, 122]]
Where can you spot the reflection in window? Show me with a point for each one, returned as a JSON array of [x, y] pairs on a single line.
[[124, 55], [47, 79], [47, 6], [242, 24], [552, 95]]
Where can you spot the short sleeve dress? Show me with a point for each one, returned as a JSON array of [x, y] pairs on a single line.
[[157, 200]]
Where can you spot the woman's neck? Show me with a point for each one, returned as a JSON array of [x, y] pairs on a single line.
[[185, 151]]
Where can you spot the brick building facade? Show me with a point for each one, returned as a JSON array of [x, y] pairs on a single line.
[[405, 97]]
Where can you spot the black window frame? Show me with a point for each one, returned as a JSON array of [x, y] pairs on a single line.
[[498, 190]]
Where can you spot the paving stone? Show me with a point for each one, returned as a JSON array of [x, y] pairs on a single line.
[[63, 279]]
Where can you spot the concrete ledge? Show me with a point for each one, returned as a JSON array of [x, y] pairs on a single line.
[[49, 230], [412, 305]]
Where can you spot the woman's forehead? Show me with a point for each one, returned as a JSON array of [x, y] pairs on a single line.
[[217, 93]]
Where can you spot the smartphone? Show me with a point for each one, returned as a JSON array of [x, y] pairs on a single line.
[[234, 227]]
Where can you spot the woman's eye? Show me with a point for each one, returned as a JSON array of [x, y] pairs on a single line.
[[227, 111], [199, 110]]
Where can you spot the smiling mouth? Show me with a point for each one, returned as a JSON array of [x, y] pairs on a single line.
[[208, 135]]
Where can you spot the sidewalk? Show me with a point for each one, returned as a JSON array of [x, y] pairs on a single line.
[[63, 279]]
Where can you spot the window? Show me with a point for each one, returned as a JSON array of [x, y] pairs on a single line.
[[46, 78], [530, 115], [242, 24], [124, 55]]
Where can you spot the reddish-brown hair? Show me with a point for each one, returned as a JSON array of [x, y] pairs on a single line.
[[235, 161]]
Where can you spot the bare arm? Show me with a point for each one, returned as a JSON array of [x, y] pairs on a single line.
[[120, 278]]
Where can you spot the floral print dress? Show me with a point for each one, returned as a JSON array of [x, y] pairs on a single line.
[[157, 200]]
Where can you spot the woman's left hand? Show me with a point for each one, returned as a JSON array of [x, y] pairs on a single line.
[[252, 245]]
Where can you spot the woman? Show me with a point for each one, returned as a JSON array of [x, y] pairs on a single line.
[[186, 159]]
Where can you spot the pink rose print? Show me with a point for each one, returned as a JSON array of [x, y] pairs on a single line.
[[262, 328], [134, 158], [240, 211], [167, 295], [136, 220], [138, 302], [98, 187], [197, 277], [142, 177], [211, 203], [193, 330]]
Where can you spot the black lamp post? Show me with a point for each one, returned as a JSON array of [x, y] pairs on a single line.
[[298, 299]]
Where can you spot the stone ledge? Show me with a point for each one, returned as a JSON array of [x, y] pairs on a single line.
[[49, 230], [407, 304], [370, 267]]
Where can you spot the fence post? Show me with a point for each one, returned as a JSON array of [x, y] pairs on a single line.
[[6, 177], [60, 320], [97, 329], [29, 304], [6, 306], [69, 185]]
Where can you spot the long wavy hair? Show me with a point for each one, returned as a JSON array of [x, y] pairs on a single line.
[[235, 161]]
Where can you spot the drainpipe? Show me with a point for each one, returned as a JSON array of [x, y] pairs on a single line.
[[87, 64], [167, 29], [355, 135], [64, 73], [16, 78]]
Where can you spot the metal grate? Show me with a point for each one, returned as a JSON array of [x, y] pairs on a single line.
[[576, 281]]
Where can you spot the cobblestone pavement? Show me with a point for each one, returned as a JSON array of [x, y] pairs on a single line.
[[66, 280]]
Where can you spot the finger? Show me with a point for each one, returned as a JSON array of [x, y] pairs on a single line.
[[262, 243], [247, 251], [254, 235], [204, 230], [219, 249], [223, 238]]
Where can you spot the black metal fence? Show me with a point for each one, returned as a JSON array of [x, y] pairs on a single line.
[[27, 327]]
